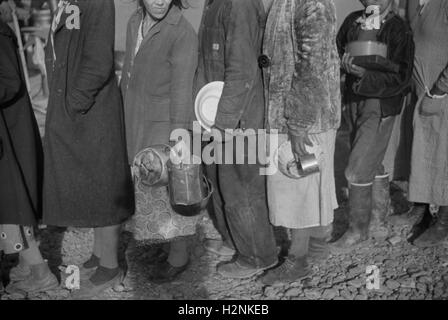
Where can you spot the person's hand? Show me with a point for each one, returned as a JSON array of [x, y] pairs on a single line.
[[23, 14], [350, 68], [299, 143]]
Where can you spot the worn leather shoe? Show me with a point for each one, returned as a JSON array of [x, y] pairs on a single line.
[[236, 270], [292, 270], [436, 233], [39, 280], [89, 290], [219, 248], [425, 220], [404, 219]]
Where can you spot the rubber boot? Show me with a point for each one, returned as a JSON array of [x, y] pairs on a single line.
[[380, 208], [436, 233], [360, 210]]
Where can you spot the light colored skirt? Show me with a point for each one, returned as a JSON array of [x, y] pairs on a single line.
[[310, 201], [155, 220]]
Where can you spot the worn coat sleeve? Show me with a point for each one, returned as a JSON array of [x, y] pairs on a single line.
[[241, 62], [97, 56], [306, 98], [184, 61], [378, 84], [10, 81]]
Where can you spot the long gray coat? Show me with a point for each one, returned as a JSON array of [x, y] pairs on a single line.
[[20, 145], [87, 180], [157, 83]]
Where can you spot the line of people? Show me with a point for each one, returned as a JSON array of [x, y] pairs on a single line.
[[280, 62]]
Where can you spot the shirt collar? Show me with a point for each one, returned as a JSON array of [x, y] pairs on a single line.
[[173, 16]]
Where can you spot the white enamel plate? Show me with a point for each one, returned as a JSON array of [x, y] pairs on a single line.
[[206, 104]]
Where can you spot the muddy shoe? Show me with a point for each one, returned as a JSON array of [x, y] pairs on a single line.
[[40, 280], [89, 290], [86, 273], [19, 273], [88, 268], [408, 218], [236, 270], [425, 220], [436, 233], [292, 270], [164, 272], [219, 248]]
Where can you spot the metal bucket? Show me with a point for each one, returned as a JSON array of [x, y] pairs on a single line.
[[189, 190], [151, 165]]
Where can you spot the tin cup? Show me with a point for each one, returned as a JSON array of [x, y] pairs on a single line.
[[308, 164]]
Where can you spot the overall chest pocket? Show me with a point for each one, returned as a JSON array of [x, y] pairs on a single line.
[[214, 43]]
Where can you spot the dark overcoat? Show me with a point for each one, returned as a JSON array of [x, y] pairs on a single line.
[[87, 181], [20, 145]]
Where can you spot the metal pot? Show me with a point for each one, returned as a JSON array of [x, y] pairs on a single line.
[[189, 189], [150, 165]]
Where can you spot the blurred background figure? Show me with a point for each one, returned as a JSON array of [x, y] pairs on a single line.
[[20, 169]]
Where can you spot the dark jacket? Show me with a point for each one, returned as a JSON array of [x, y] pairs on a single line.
[[87, 180], [157, 83], [20, 145], [390, 87], [230, 41]]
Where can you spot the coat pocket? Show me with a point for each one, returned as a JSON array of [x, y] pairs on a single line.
[[214, 44]]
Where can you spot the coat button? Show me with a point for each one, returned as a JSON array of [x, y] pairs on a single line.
[[264, 61]]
